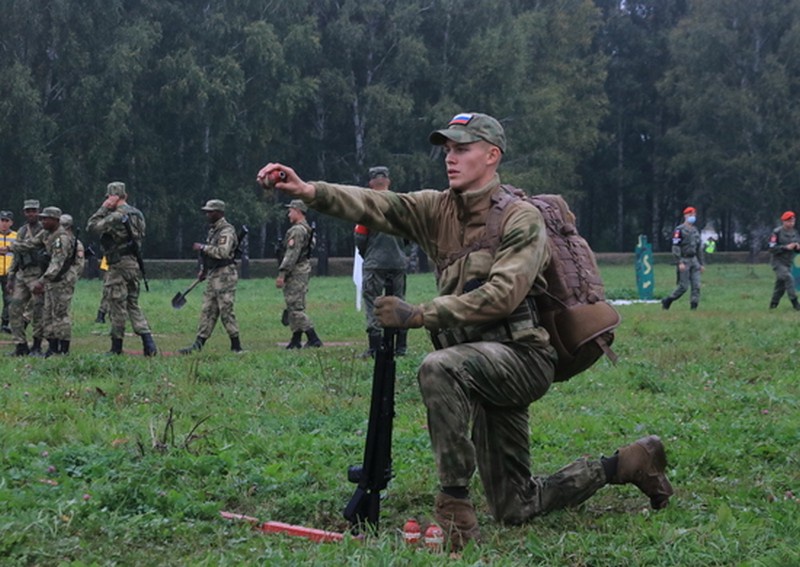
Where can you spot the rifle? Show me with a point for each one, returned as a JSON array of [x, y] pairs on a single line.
[[376, 471], [240, 239], [134, 247]]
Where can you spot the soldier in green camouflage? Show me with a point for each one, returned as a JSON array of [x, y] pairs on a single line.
[[784, 244], [384, 262], [66, 290], [477, 389], [220, 272], [121, 228], [24, 273], [294, 272], [687, 249]]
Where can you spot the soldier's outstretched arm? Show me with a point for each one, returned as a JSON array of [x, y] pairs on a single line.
[[285, 179]]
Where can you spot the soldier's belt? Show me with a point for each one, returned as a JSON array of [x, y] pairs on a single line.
[[521, 323]]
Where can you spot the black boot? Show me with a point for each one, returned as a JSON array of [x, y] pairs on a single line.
[[773, 304], [64, 346], [297, 340], [236, 345], [313, 339], [197, 345], [116, 346], [101, 316], [693, 306], [666, 302], [53, 348], [5, 328], [796, 304], [36, 347], [401, 346], [20, 349], [149, 345], [374, 344]]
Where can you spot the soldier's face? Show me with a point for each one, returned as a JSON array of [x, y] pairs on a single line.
[[31, 215], [470, 166], [789, 224], [50, 224]]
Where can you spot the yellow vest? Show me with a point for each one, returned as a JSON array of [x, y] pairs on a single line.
[[7, 259]]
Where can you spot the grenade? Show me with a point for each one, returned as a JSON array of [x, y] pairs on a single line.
[[434, 538], [411, 532], [276, 176]]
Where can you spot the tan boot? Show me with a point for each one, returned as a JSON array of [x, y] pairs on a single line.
[[456, 517], [643, 463]]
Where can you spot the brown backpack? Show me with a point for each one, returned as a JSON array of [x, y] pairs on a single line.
[[573, 308]]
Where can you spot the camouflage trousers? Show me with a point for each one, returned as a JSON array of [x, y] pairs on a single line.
[[218, 302], [784, 282], [294, 293], [489, 386], [690, 277], [57, 303], [24, 300], [6, 298], [373, 285], [104, 298], [122, 289]]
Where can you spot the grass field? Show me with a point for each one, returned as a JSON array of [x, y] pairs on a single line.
[[128, 461]]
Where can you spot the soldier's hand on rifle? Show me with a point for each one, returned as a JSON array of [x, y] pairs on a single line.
[[395, 313], [284, 178]]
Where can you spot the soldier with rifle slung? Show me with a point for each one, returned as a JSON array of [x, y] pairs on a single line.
[[121, 228], [219, 269]]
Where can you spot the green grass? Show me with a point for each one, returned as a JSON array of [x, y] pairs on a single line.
[[125, 460]]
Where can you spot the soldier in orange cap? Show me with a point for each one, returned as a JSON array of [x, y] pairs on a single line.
[[784, 243], [687, 248]]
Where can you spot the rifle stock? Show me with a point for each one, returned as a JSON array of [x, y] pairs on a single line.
[[376, 471]]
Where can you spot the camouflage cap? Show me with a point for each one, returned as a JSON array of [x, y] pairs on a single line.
[[31, 204], [469, 127], [116, 188], [6, 215], [65, 220], [297, 204], [214, 205], [50, 213], [378, 171]]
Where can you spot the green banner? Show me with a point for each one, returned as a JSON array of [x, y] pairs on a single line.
[[645, 275]]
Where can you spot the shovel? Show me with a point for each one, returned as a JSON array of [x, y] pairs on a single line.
[[180, 298]]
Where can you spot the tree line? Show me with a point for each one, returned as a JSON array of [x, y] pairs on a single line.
[[631, 109]]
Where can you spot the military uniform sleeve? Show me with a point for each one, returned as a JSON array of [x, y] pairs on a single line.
[[294, 243], [517, 264], [59, 252], [99, 221], [30, 245], [224, 245]]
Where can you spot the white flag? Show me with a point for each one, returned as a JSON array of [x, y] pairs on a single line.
[[358, 262]]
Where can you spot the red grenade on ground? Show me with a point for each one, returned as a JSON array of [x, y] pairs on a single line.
[[411, 532], [434, 538]]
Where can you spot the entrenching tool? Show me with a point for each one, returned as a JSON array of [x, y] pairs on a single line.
[[180, 298]]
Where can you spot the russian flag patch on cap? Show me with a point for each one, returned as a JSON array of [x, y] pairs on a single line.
[[461, 119]]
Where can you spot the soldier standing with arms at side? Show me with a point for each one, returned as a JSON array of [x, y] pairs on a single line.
[[293, 275], [384, 261], [687, 248], [121, 228], [477, 392], [7, 238], [784, 243], [219, 269], [25, 272]]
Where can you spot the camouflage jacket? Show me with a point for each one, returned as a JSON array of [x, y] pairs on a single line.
[[57, 248], [777, 246], [295, 251], [380, 251], [221, 244], [110, 226], [27, 261], [444, 223], [687, 243]]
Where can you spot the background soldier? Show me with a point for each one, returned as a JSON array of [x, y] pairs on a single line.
[[687, 248], [384, 262], [293, 275], [103, 308], [7, 238], [784, 243], [25, 272], [219, 268], [121, 228]]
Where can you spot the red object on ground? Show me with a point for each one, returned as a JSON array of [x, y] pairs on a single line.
[[412, 532], [319, 536], [434, 538]]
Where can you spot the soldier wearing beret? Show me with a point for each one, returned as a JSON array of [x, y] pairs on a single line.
[[7, 237], [478, 387], [687, 249], [24, 273], [220, 272], [294, 272], [384, 263], [784, 243], [121, 228]]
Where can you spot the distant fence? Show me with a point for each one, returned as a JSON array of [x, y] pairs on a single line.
[[187, 269]]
